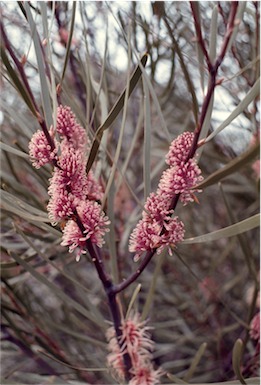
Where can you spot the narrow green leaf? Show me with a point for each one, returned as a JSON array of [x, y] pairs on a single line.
[[195, 361], [55, 289], [22, 209], [147, 140], [213, 34], [12, 150], [239, 16], [249, 381], [133, 299], [20, 120], [45, 92], [176, 380], [116, 109], [250, 96], [236, 360], [80, 336], [69, 42], [43, 6], [121, 133], [229, 231], [233, 166], [150, 295], [201, 58], [111, 236], [10, 265], [17, 82]]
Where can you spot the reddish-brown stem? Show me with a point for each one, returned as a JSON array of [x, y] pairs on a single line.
[[199, 34], [108, 288], [229, 31]]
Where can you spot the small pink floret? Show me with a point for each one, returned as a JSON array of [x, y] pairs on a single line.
[[71, 131]]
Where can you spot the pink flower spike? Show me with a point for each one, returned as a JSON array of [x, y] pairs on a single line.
[[135, 338], [145, 236], [156, 208], [94, 222], [137, 343], [144, 374], [181, 180], [179, 149], [67, 126], [40, 150]]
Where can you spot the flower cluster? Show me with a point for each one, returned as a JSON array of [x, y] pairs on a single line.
[[157, 228], [40, 150], [72, 192], [136, 342]]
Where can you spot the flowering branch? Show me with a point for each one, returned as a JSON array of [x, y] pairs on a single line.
[[213, 70], [74, 197]]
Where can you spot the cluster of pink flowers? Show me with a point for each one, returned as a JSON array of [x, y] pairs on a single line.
[[157, 228], [136, 342], [72, 192], [40, 150]]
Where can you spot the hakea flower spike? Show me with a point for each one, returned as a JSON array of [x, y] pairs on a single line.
[[181, 180], [179, 149], [136, 342], [94, 222], [68, 185], [69, 129], [157, 228], [40, 151], [147, 236], [156, 208], [146, 375]]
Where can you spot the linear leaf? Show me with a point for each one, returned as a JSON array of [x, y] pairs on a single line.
[[150, 296], [133, 299], [195, 361], [233, 166], [45, 93], [22, 209], [147, 140], [250, 96], [249, 381], [13, 150], [239, 17], [17, 82], [236, 359], [80, 336], [201, 58], [229, 231], [116, 109], [68, 47], [68, 276], [213, 34], [55, 289]]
